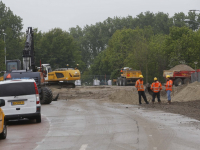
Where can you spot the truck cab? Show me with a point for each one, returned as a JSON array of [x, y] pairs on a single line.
[[13, 65]]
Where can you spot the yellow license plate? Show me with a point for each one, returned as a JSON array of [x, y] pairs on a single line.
[[18, 103]]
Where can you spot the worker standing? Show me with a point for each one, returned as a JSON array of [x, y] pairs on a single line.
[[156, 87], [140, 87], [168, 87]]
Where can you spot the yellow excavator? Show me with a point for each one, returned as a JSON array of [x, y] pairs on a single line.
[[62, 77]]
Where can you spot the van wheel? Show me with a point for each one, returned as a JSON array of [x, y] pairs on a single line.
[[4, 133], [38, 119], [46, 96]]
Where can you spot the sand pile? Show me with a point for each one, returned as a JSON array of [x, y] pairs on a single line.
[[189, 93], [182, 68], [127, 96], [83, 92]]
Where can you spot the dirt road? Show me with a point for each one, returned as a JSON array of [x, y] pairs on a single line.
[[91, 118], [24, 134], [99, 125]]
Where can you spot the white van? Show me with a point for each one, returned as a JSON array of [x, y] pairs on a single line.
[[21, 99]]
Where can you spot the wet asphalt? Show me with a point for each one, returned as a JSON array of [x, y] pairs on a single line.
[[100, 125]]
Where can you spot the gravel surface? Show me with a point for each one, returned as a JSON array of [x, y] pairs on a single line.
[[190, 109]]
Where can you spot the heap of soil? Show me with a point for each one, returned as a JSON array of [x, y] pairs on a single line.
[[127, 96], [182, 68], [84, 92], [191, 92]]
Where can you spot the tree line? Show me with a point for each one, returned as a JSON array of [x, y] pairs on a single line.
[[150, 42], [151, 53]]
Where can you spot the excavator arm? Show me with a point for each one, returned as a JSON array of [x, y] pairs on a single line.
[[28, 52]]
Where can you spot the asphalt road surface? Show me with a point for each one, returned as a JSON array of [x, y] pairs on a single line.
[[100, 125]]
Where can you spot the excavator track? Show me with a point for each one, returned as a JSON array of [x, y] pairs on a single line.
[[61, 84]]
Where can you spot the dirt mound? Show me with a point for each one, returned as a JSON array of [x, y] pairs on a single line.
[[182, 68], [90, 92], [127, 96], [189, 93]]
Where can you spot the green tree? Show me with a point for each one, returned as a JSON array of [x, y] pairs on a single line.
[[58, 48], [11, 24]]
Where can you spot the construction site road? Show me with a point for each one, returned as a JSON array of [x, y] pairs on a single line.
[[88, 124]]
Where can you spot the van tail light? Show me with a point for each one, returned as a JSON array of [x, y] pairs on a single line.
[[37, 99], [37, 94], [8, 76]]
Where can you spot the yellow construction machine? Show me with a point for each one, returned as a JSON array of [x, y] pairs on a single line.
[[1, 78], [128, 76], [62, 77]]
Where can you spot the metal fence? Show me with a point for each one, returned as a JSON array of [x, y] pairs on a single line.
[[195, 77], [90, 80]]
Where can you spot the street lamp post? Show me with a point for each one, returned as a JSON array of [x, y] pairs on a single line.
[[195, 64], [194, 10], [194, 21], [5, 46]]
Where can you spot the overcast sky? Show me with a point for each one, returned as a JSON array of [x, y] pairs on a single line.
[[48, 14]]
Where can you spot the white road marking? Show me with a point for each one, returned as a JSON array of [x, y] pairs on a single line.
[[83, 147]]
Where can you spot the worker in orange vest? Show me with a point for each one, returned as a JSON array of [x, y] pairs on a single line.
[[156, 87], [168, 87], [140, 87]]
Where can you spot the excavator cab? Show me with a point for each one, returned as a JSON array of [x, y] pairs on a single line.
[[46, 68], [13, 65]]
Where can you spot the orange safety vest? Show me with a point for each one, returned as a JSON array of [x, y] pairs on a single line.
[[169, 85], [156, 87], [139, 85]]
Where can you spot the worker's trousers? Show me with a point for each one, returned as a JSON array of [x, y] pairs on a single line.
[[169, 95], [142, 94], [156, 95]]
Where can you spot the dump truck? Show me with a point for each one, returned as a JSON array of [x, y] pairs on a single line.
[[180, 74], [128, 77]]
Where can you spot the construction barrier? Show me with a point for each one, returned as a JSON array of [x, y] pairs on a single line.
[[195, 77], [90, 80]]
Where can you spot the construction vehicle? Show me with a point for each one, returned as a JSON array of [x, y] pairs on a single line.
[[180, 74], [61, 77], [29, 69], [128, 77], [10, 66]]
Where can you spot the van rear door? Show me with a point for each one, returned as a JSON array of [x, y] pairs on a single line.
[[20, 98]]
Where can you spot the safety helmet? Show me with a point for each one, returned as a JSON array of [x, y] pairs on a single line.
[[167, 76], [141, 76], [155, 79]]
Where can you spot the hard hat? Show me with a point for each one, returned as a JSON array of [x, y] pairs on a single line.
[[155, 79], [167, 76], [141, 76]]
